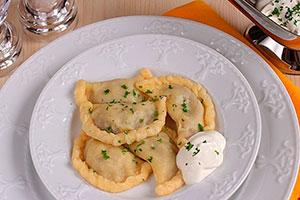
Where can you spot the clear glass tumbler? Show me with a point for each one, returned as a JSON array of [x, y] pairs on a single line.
[[47, 17], [10, 42]]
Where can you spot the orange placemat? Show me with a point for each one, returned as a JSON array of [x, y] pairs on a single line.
[[201, 12]]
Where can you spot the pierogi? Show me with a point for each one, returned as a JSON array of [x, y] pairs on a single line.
[[188, 103], [160, 152], [133, 127], [116, 113], [110, 168]]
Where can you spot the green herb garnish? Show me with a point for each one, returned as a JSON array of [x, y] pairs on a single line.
[[126, 94], [189, 146], [105, 154], [217, 152], [159, 140], [148, 92], [200, 127], [196, 152], [184, 106], [141, 120], [138, 146], [133, 93], [109, 129], [131, 110], [150, 159], [170, 87], [276, 12], [113, 101], [204, 141], [106, 91], [124, 86]]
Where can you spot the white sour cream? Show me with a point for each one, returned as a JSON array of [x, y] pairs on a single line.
[[286, 13], [201, 156]]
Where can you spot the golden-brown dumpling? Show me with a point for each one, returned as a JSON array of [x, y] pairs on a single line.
[[188, 103], [160, 152], [123, 115], [110, 168], [118, 90]]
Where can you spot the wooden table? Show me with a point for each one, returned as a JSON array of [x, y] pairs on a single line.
[[95, 10]]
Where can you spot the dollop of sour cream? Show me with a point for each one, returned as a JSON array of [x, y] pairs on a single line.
[[286, 13], [201, 156]]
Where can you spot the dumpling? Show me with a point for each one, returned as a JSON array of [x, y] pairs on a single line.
[[188, 103], [160, 152], [110, 168], [121, 115], [118, 90], [118, 117]]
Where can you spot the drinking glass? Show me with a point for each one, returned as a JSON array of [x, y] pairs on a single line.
[[10, 42], [47, 17]]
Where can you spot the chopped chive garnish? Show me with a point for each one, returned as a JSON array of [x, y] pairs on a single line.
[[138, 146], [200, 127], [159, 140], [217, 152], [126, 94], [148, 92], [141, 120], [276, 12], [170, 87], [184, 106], [196, 152], [189, 146], [124, 86], [131, 110], [105, 154], [150, 159], [133, 93], [109, 129], [106, 91], [113, 101]]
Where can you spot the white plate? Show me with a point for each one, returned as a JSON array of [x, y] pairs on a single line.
[[55, 122], [274, 176]]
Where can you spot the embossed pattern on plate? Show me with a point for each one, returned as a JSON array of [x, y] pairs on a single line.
[[30, 78], [163, 55]]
